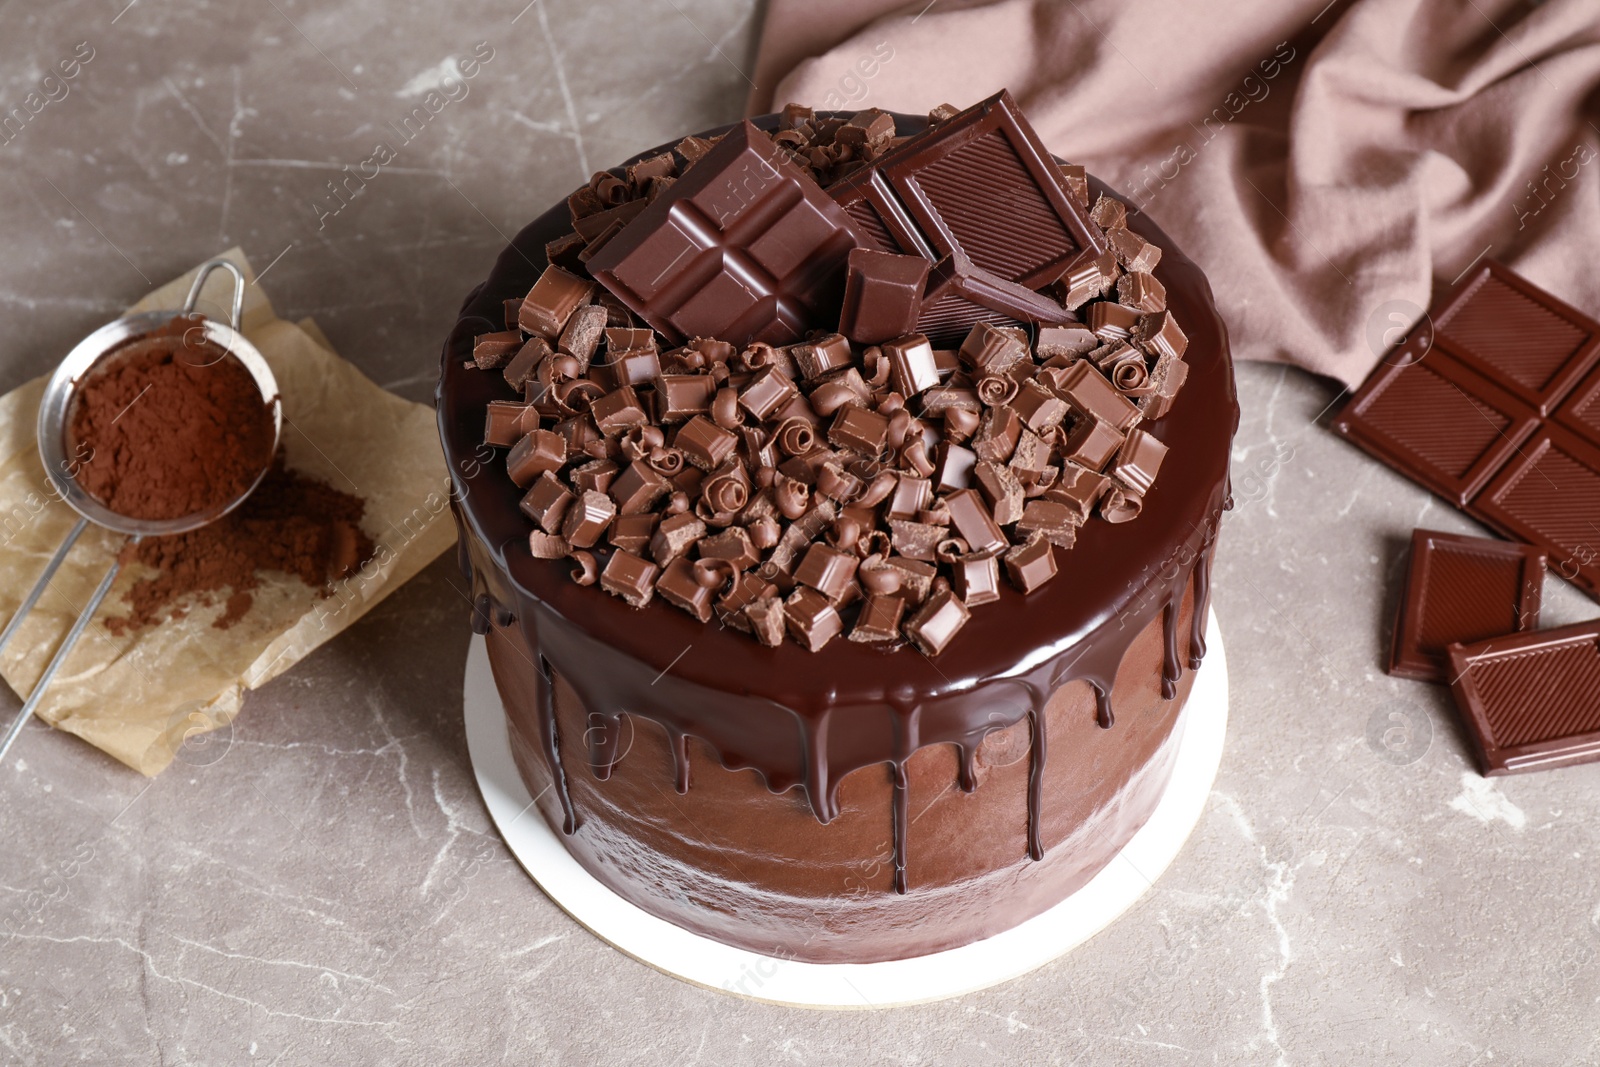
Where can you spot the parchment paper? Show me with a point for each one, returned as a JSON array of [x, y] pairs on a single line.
[[138, 696]]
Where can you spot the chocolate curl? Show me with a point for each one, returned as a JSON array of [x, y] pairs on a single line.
[[878, 367], [914, 456], [638, 441], [952, 550], [725, 408], [716, 574], [792, 497], [663, 460], [900, 426], [795, 436], [1130, 375], [876, 576], [586, 571], [878, 489], [845, 534], [764, 532], [758, 355], [996, 389], [1120, 505], [829, 397], [876, 543], [575, 397], [937, 515], [723, 494], [608, 188], [959, 423], [677, 503]]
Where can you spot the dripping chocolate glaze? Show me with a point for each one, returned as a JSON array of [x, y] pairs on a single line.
[[802, 719]]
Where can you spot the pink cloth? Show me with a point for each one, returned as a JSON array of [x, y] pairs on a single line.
[[1326, 165]]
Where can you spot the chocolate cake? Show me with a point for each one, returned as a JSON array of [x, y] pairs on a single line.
[[871, 428]]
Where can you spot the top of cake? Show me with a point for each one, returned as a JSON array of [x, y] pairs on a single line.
[[833, 381]]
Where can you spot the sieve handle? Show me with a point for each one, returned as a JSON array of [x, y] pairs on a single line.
[[238, 288], [41, 584], [37, 696]]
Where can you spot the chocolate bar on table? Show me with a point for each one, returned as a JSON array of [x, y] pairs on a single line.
[[1531, 701], [744, 247], [1493, 402], [1460, 590]]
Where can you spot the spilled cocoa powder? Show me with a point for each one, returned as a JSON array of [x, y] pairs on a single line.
[[173, 425], [291, 523]]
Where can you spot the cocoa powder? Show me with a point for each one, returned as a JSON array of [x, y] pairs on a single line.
[[290, 523], [173, 423]]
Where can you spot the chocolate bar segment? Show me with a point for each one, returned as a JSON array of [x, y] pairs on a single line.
[[1432, 419], [984, 189], [882, 295], [1531, 701], [1462, 590], [744, 247], [1581, 412], [1549, 495], [1509, 330]]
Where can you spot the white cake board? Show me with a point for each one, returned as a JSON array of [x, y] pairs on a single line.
[[714, 965]]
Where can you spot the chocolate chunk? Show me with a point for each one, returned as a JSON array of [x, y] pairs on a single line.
[[1087, 391], [821, 356], [1001, 488], [1092, 444], [1031, 457], [1529, 701], [1109, 213], [596, 475], [629, 577], [732, 545], [745, 589], [952, 466], [915, 577], [1064, 343], [1462, 590], [547, 545], [766, 392], [960, 294], [597, 228], [1142, 292], [1039, 408], [983, 187], [675, 536], [506, 421], [639, 366], [937, 622], [551, 302], [910, 496], [1032, 563], [582, 334], [1133, 252], [1076, 181], [629, 339], [513, 309], [989, 349], [1166, 379], [859, 429], [538, 451], [976, 579], [588, 518], [680, 396], [879, 619], [1079, 488], [1138, 460], [827, 570], [1112, 322], [618, 410], [869, 127], [745, 246], [704, 443], [811, 617], [1159, 333], [547, 502], [491, 351], [768, 619], [633, 532], [948, 397], [998, 433], [525, 364], [916, 540], [1056, 523], [639, 488], [972, 520], [911, 365], [678, 586], [882, 295]]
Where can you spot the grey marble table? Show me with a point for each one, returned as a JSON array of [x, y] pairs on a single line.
[[322, 884]]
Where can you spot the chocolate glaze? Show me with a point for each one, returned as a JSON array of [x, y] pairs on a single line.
[[806, 720]]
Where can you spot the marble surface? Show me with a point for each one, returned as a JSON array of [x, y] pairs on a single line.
[[321, 883]]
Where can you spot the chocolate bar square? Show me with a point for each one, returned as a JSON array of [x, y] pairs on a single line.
[[744, 247], [1531, 701], [1461, 590], [1581, 412], [1432, 419], [1511, 331], [1549, 495], [983, 187]]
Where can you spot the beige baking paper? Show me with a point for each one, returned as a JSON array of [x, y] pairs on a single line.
[[137, 697]]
